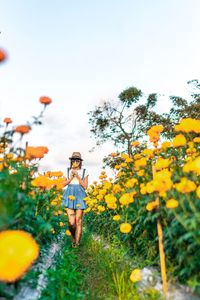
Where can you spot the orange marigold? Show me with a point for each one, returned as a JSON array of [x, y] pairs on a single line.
[[23, 129], [45, 100], [3, 55], [7, 120]]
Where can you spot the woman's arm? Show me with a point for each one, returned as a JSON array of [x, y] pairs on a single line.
[[67, 181], [83, 182]]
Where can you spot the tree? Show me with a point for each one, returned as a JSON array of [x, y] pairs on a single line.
[[127, 119]]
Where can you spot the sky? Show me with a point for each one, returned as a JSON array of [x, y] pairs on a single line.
[[81, 53]]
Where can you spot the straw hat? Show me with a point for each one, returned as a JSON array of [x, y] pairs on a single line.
[[76, 155]]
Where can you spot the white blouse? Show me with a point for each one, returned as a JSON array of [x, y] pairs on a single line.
[[80, 173]]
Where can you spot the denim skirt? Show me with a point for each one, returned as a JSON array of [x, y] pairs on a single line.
[[79, 194]]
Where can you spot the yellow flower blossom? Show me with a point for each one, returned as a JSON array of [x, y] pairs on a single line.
[[18, 251], [136, 275], [188, 125], [71, 197], [185, 186], [179, 140], [126, 199], [162, 163], [131, 183], [116, 217], [152, 205], [172, 203], [125, 227], [67, 232]]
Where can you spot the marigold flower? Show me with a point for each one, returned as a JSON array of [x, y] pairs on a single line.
[[193, 166], [166, 145], [23, 129], [196, 140], [71, 197], [116, 217], [3, 55], [113, 154], [68, 233], [162, 163], [152, 205], [135, 144], [172, 203], [179, 140], [7, 120], [18, 251], [185, 186], [61, 224], [136, 275], [125, 227], [101, 208], [188, 125], [45, 100], [126, 199]]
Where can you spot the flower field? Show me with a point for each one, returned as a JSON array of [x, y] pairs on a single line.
[[150, 208], [155, 196]]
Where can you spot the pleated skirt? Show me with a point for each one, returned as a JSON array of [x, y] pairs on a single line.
[[77, 201]]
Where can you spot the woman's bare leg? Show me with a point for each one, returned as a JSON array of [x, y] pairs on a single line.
[[79, 217], [72, 222]]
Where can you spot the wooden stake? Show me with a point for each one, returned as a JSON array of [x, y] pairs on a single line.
[[161, 249]]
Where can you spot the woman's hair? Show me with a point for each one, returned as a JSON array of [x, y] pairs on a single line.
[[71, 161]]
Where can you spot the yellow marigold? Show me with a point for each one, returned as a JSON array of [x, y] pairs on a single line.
[[42, 182], [196, 140], [61, 224], [148, 152], [101, 208], [162, 163], [131, 183], [107, 185], [172, 203], [188, 125], [135, 144], [136, 275], [179, 140], [117, 167], [198, 191], [152, 205], [185, 186], [140, 163], [162, 181], [18, 251], [166, 145], [116, 217], [192, 166], [56, 174], [137, 156], [116, 188], [126, 199], [140, 173], [68, 233], [125, 227], [71, 197]]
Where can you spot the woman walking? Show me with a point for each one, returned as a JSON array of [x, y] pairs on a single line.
[[73, 197]]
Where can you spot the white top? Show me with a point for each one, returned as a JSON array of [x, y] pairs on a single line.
[[80, 173]]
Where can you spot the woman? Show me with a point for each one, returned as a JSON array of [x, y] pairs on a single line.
[[73, 197]]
